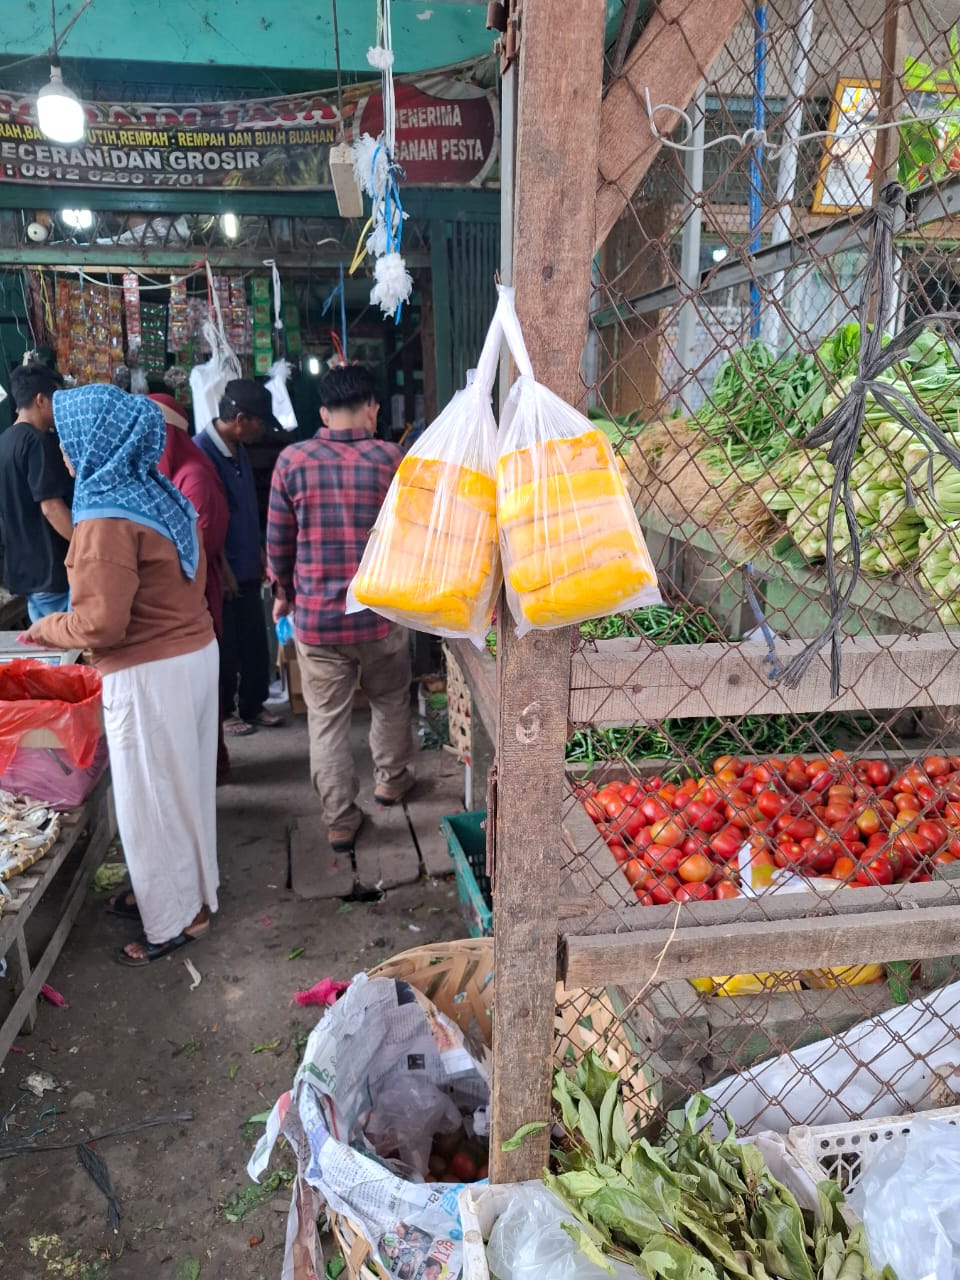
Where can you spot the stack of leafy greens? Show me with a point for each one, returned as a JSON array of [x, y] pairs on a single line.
[[693, 1208], [660, 623], [891, 467]]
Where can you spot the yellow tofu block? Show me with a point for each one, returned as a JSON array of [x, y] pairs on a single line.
[[436, 609], [523, 540], [435, 550], [590, 593], [588, 452], [558, 562], [456, 517], [461, 482], [558, 495], [429, 576]]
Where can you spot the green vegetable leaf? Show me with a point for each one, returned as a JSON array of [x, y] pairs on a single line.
[[563, 1095], [588, 1246], [515, 1142], [589, 1127]]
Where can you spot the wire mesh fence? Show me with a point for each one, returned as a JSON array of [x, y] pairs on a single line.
[[715, 811]]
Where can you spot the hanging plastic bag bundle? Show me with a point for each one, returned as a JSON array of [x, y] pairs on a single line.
[[569, 536], [433, 560]]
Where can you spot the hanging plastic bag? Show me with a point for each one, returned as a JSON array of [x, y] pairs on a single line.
[[569, 537], [433, 561], [406, 1116], [276, 384], [207, 381]]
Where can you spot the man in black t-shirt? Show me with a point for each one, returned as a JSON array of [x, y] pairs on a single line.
[[36, 493]]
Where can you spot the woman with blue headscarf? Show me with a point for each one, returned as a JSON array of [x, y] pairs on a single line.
[[136, 570]]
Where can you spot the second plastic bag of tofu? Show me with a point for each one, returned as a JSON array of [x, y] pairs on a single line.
[[433, 561], [569, 536]]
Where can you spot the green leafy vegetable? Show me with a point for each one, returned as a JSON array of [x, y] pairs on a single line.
[[515, 1142]]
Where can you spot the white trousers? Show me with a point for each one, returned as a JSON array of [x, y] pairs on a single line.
[[161, 726]]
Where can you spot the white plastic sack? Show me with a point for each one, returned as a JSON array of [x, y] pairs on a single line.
[[276, 384], [378, 1033], [903, 1060], [407, 1114], [570, 540], [528, 1242], [909, 1201], [207, 381], [433, 561]]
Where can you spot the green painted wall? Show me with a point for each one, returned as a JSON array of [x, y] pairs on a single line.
[[289, 34]]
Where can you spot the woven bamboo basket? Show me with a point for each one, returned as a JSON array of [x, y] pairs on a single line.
[[458, 708], [457, 977]]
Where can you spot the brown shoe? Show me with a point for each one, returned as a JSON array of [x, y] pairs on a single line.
[[342, 839], [391, 793]]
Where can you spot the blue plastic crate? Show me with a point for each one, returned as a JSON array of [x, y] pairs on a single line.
[[467, 842]]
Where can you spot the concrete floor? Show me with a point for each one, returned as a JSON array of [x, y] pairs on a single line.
[[135, 1044]]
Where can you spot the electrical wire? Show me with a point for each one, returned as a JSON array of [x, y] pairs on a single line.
[[751, 138], [336, 54]]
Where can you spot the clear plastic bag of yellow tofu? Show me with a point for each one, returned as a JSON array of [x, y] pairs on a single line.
[[569, 536], [432, 561]]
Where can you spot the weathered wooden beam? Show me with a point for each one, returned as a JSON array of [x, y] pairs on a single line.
[[626, 682], [556, 166], [598, 960], [674, 53]]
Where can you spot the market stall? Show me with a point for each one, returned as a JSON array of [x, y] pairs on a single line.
[[766, 597]]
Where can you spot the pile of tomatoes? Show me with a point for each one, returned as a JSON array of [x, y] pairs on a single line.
[[856, 821]]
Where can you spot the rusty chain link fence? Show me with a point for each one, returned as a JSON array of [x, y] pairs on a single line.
[[774, 865]]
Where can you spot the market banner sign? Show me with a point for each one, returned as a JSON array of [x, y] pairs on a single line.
[[447, 135]]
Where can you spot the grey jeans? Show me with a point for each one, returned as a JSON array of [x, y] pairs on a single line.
[[328, 674]]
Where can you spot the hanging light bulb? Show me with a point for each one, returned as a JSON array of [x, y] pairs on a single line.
[[77, 219], [313, 366], [59, 110], [230, 225]]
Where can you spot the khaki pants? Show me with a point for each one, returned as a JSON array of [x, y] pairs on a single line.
[[329, 675]]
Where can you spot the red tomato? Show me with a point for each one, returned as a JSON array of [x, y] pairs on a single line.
[[951, 814], [820, 856], [844, 869], [942, 859], [696, 842], [953, 847], [463, 1167], [594, 808], [694, 892], [723, 763], [644, 838], [645, 899], [619, 852], [935, 833], [815, 767], [695, 868], [837, 813], [936, 766], [669, 832], [633, 791], [660, 858], [840, 793], [726, 889], [789, 854], [822, 782], [868, 822], [796, 778], [878, 870], [726, 843], [879, 773], [663, 890], [770, 803], [654, 809], [800, 829], [634, 871]]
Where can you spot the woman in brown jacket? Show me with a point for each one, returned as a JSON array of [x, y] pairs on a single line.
[[136, 569]]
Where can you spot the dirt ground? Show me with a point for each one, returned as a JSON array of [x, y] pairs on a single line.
[[136, 1044]]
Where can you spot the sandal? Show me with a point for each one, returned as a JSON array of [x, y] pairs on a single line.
[[265, 720], [157, 950], [117, 905], [237, 728], [152, 951]]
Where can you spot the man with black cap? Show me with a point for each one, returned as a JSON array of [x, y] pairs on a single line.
[[245, 410]]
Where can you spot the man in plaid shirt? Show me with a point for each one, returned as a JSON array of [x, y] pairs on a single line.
[[325, 496]]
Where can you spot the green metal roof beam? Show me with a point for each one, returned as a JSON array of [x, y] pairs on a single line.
[[468, 205]]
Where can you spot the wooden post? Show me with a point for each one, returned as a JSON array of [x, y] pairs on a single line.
[[561, 60]]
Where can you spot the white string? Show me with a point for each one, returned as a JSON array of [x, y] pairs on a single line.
[[105, 284], [759, 137]]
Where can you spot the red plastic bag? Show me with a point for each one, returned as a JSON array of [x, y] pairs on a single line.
[[65, 700]]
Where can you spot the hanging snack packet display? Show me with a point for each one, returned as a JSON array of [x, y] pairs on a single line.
[[432, 561], [569, 536]]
